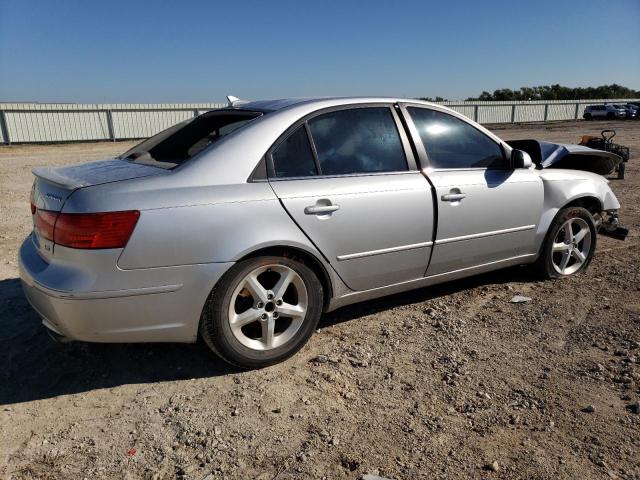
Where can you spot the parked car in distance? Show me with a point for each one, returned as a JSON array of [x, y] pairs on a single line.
[[635, 108], [592, 112], [631, 112], [244, 224]]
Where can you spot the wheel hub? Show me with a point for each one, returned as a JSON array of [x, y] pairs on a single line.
[[571, 246], [268, 307]]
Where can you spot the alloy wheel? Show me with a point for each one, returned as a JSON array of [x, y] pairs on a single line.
[[268, 307], [571, 247]]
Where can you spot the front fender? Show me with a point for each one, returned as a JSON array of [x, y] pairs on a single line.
[[562, 187]]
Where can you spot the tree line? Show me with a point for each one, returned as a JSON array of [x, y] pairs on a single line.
[[552, 92], [559, 92]]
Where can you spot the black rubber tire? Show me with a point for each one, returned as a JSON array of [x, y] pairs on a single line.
[[610, 116], [214, 325], [621, 169], [587, 116], [544, 264]]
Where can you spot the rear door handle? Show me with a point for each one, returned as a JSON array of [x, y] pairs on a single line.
[[320, 209], [453, 197]]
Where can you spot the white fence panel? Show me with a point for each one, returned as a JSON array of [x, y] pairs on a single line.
[[466, 110], [494, 113], [142, 124], [59, 122], [562, 111], [529, 113], [56, 126]]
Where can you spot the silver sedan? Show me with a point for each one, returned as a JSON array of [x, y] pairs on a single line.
[[245, 224]]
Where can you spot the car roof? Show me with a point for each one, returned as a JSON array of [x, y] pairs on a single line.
[[282, 103]]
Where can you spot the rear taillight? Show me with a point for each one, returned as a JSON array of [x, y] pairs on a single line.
[[95, 230], [44, 223], [87, 230]]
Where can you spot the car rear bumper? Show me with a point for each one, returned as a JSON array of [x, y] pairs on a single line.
[[95, 301]]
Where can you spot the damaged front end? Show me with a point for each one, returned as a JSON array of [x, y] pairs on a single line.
[[568, 156], [609, 225], [548, 155]]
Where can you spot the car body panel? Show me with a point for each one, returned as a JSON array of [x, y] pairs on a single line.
[[496, 220], [562, 187], [85, 296], [244, 227], [389, 243]]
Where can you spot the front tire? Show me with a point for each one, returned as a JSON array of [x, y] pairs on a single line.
[[262, 311], [569, 244]]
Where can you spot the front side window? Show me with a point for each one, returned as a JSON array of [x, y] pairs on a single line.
[[293, 157], [453, 143], [357, 140]]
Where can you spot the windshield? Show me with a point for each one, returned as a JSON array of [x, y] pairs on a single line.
[[179, 143]]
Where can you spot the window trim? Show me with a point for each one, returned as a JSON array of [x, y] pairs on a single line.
[[423, 156], [412, 165]]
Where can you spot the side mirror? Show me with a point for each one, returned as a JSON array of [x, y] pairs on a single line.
[[520, 159]]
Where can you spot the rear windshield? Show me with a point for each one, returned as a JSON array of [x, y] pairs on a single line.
[[179, 143]]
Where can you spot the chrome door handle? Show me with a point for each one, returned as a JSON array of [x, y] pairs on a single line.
[[320, 209], [453, 197]]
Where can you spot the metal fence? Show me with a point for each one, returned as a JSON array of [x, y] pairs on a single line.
[[51, 122]]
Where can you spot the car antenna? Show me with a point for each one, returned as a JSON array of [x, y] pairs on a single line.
[[234, 101]]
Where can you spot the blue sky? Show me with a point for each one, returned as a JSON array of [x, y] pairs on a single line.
[[199, 51]]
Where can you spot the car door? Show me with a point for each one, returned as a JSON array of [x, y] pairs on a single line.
[[348, 178], [487, 211]]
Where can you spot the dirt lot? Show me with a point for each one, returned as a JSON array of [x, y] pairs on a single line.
[[436, 383]]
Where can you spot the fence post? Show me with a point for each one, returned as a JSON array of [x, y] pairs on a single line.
[[577, 108], [475, 113], [112, 136], [546, 111], [513, 113], [4, 128]]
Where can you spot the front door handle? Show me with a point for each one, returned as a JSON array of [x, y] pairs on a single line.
[[453, 197], [320, 209]]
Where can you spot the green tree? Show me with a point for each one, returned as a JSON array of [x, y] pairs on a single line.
[[559, 92]]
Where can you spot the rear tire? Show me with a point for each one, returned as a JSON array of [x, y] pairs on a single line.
[[569, 244], [262, 311], [587, 116]]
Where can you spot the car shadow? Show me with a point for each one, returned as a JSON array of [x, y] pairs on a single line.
[[35, 367]]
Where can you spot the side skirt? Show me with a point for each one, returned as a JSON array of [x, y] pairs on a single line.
[[355, 297]]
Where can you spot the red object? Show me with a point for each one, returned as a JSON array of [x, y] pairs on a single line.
[[87, 230], [131, 452], [44, 223], [33, 208]]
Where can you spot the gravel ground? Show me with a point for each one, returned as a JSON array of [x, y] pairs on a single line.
[[452, 381]]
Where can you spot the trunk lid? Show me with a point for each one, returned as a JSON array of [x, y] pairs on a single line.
[[53, 185]]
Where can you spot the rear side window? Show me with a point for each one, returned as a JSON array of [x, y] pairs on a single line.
[[358, 140], [453, 143], [293, 157], [179, 143]]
